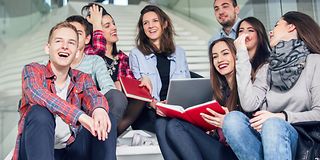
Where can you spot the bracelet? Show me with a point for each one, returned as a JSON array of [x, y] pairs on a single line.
[[285, 115]]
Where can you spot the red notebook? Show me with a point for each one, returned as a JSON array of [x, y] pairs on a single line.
[[132, 89], [192, 114]]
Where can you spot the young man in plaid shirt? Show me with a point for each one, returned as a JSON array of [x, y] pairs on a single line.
[[63, 115]]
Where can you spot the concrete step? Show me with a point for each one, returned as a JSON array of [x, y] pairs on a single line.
[[199, 66], [178, 42], [133, 28], [130, 33], [20, 60], [132, 37], [193, 60], [14, 90], [16, 68]]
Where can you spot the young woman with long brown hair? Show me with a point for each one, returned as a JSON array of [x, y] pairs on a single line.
[[200, 144], [155, 61]]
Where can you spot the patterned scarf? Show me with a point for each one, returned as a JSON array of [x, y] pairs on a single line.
[[287, 60]]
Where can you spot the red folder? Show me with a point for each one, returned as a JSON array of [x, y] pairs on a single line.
[[192, 114], [132, 89]]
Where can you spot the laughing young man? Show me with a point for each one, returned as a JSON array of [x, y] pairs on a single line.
[[226, 13], [63, 115]]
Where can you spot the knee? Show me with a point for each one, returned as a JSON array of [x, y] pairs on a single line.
[[272, 127], [172, 127], [276, 131], [40, 116], [115, 95], [117, 100], [161, 123], [234, 122]]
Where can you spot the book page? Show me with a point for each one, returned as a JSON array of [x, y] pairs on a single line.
[[171, 107], [202, 104]]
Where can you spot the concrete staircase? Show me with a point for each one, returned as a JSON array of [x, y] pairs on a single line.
[[30, 48]]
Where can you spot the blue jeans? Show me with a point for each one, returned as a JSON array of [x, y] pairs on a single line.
[[166, 149], [276, 141], [190, 142], [37, 141]]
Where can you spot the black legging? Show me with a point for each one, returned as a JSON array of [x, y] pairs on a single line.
[[138, 115]]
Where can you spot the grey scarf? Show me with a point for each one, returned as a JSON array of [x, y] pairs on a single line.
[[287, 60]]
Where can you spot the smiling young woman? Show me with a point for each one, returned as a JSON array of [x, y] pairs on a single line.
[[190, 142], [155, 61]]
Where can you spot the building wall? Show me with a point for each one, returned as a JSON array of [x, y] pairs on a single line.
[[268, 11]]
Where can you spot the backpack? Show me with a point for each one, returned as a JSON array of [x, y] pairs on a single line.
[[309, 140]]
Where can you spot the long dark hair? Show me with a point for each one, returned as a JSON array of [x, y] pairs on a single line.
[[85, 12], [166, 40], [263, 48], [308, 30], [219, 82]]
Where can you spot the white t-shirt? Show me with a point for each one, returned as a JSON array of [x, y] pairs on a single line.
[[62, 130]]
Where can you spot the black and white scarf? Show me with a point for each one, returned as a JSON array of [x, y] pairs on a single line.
[[287, 60]]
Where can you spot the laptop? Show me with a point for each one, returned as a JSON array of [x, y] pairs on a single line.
[[189, 92]]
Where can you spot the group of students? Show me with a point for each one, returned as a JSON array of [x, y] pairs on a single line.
[[73, 106]]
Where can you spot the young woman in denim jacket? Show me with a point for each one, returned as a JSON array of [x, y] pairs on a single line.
[[155, 61], [286, 91]]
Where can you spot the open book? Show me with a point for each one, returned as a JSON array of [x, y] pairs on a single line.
[[192, 114], [132, 89]]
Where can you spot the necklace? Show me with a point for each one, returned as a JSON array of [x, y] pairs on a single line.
[[111, 67]]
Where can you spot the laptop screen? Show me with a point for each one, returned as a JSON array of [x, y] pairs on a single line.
[[189, 92]]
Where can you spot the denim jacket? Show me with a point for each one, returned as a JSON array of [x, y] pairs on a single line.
[[146, 65]]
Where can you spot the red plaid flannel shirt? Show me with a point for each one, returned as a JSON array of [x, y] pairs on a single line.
[[38, 89], [124, 68], [99, 44]]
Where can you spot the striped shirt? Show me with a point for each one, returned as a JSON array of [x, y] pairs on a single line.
[[95, 66]]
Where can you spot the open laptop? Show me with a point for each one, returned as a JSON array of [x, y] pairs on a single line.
[[189, 92]]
